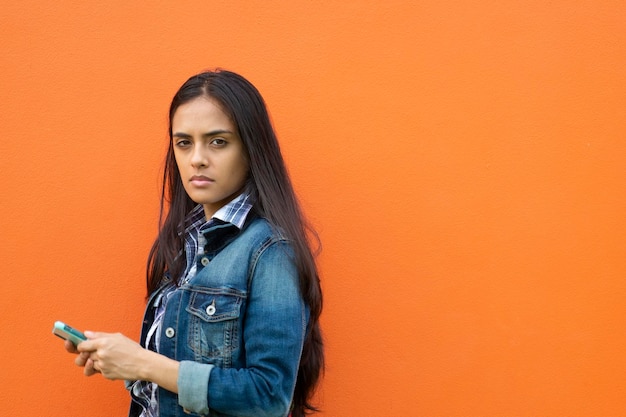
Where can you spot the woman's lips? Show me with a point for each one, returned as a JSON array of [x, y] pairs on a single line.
[[200, 180]]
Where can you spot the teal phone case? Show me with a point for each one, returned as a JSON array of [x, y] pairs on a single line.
[[68, 333]]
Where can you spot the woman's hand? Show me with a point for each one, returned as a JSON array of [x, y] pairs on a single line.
[[116, 356], [112, 354], [82, 359]]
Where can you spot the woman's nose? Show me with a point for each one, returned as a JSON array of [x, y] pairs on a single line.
[[199, 158]]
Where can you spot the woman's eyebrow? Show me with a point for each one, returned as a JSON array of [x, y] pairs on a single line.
[[217, 132], [206, 135]]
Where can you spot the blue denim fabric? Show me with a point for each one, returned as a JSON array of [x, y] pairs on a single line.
[[237, 327]]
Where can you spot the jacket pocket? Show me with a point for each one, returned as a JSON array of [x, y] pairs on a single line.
[[215, 325]]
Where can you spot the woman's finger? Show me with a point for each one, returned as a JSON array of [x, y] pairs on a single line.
[[90, 368], [70, 347], [81, 359]]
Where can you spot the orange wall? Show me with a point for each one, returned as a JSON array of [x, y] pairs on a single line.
[[463, 161]]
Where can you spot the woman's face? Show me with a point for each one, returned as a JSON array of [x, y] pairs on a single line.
[[209, 154]]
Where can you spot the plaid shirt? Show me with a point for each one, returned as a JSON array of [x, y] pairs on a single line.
[[235, 212]]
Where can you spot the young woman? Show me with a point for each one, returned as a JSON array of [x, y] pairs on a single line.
[[232, 322]]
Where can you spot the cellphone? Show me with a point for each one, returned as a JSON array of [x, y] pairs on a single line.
[[68, 333]]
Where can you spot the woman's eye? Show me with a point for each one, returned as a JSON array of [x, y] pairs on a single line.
[[182, 143], [218, 142]]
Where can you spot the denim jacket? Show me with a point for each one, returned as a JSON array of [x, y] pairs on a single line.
[[237, 327]]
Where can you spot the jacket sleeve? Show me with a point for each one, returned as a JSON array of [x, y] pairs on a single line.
[[274, 327]]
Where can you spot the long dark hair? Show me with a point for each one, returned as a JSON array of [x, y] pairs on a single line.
[[275, 200]]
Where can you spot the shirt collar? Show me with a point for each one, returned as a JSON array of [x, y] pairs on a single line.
[[235, 213]]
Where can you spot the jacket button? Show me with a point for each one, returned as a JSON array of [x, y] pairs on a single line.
[[210, 310], [169, 332], [204, 261]]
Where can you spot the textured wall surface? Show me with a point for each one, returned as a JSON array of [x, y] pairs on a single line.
[[464, 163]]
